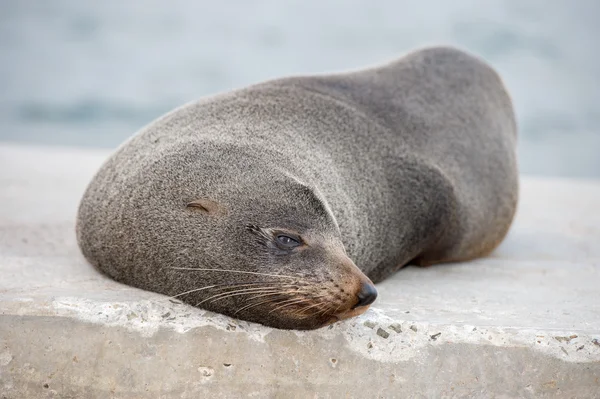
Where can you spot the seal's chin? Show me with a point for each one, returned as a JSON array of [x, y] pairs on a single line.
[[341, 308], [309, 306], [352, 312], [346, 315], [292, 320]]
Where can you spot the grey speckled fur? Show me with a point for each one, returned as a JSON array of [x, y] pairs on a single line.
[[411, 161]]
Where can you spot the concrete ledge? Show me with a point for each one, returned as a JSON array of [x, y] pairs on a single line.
[[524, 322]]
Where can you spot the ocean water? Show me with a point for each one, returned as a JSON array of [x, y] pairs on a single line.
[[91, 73]]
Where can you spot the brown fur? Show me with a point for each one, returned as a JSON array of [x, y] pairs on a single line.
[[413, 160]]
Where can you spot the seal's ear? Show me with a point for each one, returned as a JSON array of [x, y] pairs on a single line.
[[207, 206]]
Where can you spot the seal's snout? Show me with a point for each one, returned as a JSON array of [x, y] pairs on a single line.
[[366, 295]]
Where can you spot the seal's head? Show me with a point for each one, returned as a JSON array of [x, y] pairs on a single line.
[[271, 251], [284, 274], [231, 233]]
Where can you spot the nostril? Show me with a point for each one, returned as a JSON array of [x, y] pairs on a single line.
[[367, 295]]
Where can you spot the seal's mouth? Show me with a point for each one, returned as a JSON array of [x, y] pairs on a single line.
[[308, 315], [356, 311], [352, 312], [366, 296]]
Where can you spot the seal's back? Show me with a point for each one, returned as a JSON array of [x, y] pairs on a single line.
[[439, 110]]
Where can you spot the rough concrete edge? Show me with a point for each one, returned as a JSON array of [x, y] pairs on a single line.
[[374, 335]]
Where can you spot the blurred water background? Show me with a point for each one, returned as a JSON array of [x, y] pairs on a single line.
[[91, 73]]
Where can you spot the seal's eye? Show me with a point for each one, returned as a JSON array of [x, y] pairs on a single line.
[[287, 242]]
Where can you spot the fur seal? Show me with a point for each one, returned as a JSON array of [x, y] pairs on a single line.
[[281, 203]]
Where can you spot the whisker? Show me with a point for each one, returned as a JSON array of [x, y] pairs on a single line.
[[325, 310], [240, 292], [303, 310], [290, 302], [194, 290], [221, 286], [267, 294], [233, 271], [336, 309], [286, 292], [269, 291], [316, 298], [251, 305]]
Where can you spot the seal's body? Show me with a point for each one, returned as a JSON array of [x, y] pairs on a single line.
[[274, 202]]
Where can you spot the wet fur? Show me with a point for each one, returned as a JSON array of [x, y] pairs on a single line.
[[409, 161]]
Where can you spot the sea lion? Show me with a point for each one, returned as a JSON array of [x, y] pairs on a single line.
[[282, 203]]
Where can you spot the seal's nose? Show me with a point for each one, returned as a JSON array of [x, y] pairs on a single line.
[[367, 295]]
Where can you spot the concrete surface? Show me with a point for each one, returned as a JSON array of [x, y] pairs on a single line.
[[524, 322]]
